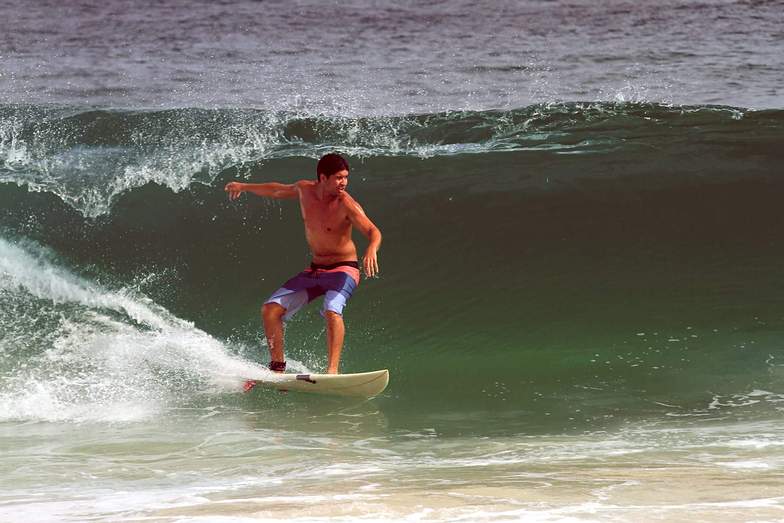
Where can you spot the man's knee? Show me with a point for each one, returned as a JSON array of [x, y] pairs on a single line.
[[332, 316], [272, 311]]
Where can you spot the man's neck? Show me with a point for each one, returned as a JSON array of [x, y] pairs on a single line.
[[322, 195]]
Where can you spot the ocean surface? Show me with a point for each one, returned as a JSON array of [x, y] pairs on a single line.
[[581, 298]]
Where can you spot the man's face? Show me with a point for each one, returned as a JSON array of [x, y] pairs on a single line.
[[336, 183]]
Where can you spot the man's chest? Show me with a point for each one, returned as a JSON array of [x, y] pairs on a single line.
[[326, 217]]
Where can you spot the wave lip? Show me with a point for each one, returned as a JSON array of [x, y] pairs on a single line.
[[89, 158]]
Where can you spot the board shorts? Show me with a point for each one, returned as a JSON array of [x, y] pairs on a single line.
[[335, 282]]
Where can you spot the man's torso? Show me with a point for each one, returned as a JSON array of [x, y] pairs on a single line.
[[327, 226]]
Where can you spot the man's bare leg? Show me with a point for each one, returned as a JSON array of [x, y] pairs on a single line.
[[335, 334], [272, 316]]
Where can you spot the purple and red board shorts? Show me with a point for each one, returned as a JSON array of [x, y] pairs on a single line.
[[335, 282]]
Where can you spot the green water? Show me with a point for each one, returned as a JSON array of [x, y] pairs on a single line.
[[590, 330]]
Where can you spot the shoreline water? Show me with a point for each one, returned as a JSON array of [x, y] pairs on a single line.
[[232, 465]]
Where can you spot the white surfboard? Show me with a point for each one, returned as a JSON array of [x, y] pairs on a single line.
[[363, 384]]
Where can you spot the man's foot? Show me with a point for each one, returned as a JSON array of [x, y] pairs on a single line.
[[277, 366], [250, 384]]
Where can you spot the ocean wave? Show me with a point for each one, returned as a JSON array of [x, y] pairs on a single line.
[[89, 158]]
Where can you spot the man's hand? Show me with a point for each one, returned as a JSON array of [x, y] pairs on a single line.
[[235, 189], [370, 263]]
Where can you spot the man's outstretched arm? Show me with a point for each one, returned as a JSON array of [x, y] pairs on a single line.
[[270, 189]]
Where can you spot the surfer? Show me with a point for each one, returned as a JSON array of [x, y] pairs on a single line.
[[330, 214]]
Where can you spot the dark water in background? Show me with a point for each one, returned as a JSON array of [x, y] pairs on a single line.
[[361, 57], [581, 270]]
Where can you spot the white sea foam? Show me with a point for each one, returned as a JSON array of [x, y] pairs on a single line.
[[112, 354], [746, 465]]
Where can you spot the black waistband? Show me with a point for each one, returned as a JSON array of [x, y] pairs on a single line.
[[315, 266]]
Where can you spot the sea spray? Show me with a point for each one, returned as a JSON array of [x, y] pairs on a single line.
[[74, 350]]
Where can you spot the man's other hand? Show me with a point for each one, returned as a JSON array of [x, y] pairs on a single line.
[[370, 263]]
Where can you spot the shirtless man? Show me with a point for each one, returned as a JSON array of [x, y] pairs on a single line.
[[329, 213]]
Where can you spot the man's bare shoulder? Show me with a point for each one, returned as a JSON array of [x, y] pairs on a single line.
[[305, 186], [349, 203]]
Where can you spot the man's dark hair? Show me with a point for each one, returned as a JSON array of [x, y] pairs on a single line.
[[330, 164]]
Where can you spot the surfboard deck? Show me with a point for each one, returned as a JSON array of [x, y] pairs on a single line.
[[362, 384]]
